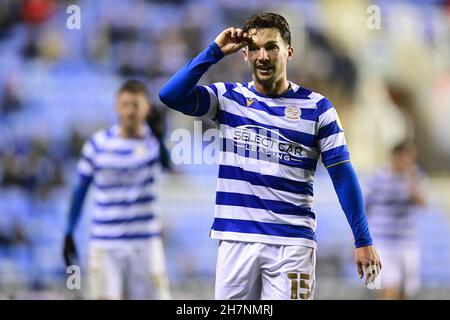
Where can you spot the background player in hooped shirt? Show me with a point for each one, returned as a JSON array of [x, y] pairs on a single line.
[[126, 257], [395, 196], [264, 220]]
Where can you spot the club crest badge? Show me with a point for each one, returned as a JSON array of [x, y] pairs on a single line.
[[292, 113]]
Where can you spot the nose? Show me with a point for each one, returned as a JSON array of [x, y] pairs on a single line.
[[131, 110], [262, 56]]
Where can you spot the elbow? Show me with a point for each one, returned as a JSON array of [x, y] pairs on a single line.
[[177, 102], [164, 97], [170, 99]]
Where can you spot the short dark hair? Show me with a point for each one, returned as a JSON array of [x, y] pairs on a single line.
[[405, 145], [269, 20], [134, 86]]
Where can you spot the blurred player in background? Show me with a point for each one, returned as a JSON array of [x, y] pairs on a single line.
[[126, 257], [394, 192], [265, 222]]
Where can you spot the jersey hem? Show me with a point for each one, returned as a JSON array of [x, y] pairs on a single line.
[[261, 238]]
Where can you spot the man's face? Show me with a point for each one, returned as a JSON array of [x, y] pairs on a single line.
[[132, 109], [267, 55], [404, 161]]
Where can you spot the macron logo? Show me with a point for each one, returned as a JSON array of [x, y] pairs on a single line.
[[250, 101]]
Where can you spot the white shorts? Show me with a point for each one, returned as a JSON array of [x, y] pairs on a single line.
[[401, 267], [253, 271], [131, 269]]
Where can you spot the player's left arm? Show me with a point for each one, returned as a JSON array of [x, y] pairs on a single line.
[[350, 197], [336, 159]]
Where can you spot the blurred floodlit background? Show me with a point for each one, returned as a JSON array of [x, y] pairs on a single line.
[[385, 65]]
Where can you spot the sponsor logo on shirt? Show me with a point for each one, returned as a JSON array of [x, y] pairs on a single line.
[[269, 142]]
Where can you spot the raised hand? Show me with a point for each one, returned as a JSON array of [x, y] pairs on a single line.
[[232, 39]]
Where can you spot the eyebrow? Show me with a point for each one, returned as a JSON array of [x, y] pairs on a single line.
[[265, 44]]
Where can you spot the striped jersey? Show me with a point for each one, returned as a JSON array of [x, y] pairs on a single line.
[[390, 209], [123, 177], [270, 146]]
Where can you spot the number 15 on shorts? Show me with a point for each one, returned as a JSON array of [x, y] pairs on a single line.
[[300, 281]]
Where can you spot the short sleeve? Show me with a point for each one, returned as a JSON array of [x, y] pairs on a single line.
[[86, 163]]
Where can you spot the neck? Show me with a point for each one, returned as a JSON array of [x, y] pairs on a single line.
[[130, 132], [272, 88]]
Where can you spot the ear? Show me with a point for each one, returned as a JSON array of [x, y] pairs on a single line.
[[290, 53], [118, 99], [145, 101], [245, 53], [117, 105]]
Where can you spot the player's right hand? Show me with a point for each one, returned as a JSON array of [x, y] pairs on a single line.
[[69, 250], [232, 39]]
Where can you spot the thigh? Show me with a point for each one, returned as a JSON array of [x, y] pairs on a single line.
[[104, 274], [288, 272], [147, 278], [237, 271]]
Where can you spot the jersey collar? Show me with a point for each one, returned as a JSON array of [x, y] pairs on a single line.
[[287, 94]]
